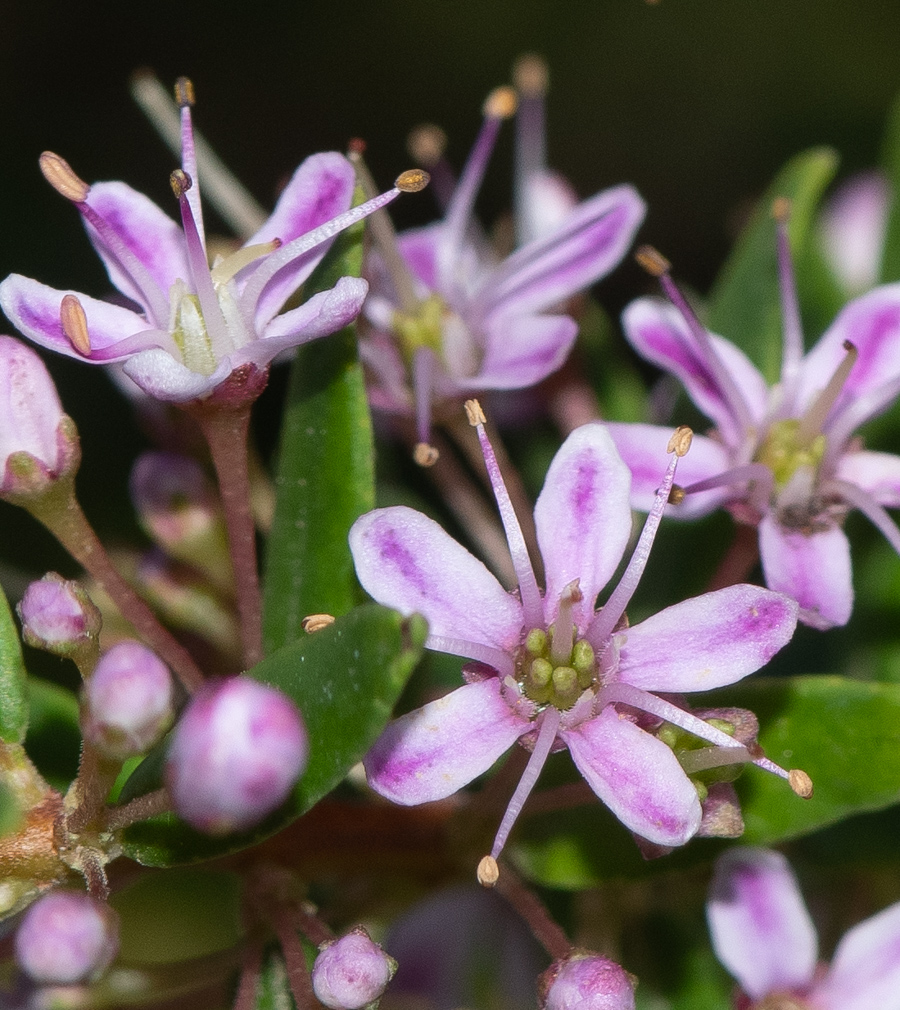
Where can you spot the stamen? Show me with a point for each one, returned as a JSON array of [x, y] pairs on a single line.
[[425, 455], [856, 410], [813, 420], [530, 77], [792, 337], [545, 738], [532, 604], [870, 508], [222, 272], [184, 96], [801, 783], [413, 180], [564, 627], [74, 324], [605, 621], [499, 660], [423, 385], [316, 622], [426, 144], [659, 267], [488, 872], [384, 236], [758, 473], [58, 172], [680, 442]]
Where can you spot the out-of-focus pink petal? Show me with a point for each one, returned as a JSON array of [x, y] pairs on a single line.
[[405, 560], [148, 232], [521, 351], [434, 751], [877, 473], [865, 971], [872, 324], [583, 516], [707, 641], [658, 332], [814, 569], [319, 190], [591, 241], [643, 447], [33, 308], [637, 777], [760, 928], [853, 227], [324, 313], [548, 201]]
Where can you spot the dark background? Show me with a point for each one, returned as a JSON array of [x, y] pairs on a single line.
[[697, 102]]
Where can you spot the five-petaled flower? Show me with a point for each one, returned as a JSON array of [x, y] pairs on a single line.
[[550, 671], [447, 317], [194, 325], [763, 934], [784, 458]]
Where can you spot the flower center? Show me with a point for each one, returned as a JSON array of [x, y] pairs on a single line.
[[780, 1001], [421, 327], [190, 334], [786, 448], [547, 677]]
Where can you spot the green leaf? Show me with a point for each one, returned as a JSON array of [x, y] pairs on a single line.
[[890, 159], [273, 991], [745, 304], [10, 814], [346, 680], [54, 738], [13, 695], [326, 472]]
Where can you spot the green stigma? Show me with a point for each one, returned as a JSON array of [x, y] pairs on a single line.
[[784, 453], [549, 682], [421, 328]]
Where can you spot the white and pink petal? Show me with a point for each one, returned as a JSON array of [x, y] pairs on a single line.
[[865, 970], [521, 351], [877, 473]]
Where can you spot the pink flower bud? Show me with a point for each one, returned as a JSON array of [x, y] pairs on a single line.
[[65, 937], [586, 982], [127, 702], [38, 442], [237, 751], [58, 615], [352, 972]]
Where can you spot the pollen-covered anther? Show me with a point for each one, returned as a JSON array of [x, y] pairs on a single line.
[[488, 872], [677, 494], [180, 182], [413, 180], [425, 454], [801, 783], [58, 172], [680, 441], [652, 261], [426, 144], [530, 75], [474, 413], [184, 92], [501, 103], [315, 622], [74, 324], [781, 209]]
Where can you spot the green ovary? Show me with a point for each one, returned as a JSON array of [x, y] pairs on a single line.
[[783, 452], [552, 683], [422, 328]]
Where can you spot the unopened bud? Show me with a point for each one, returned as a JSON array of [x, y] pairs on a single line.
[[586, 982], [236, 752], [58, 616], [352, 972], [127, 702], [66, 937]]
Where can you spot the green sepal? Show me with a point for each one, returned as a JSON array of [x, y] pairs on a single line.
[[13, 679]]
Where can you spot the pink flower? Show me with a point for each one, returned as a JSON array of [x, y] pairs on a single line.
[[550, 671], [763, 934], [785, 457]]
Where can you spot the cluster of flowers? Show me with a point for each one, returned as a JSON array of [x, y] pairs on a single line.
[[443, 315]]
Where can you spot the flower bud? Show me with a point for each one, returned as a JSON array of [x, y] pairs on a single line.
[[586, 982], [127, 701], [236, 752], [58, 616], [38, 442], [352, 972], [66, 937]]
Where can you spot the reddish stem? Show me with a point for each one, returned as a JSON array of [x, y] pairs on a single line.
[[251, 968], [547, 932], [739, 561]]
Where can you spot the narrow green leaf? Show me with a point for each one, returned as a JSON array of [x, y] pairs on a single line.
[[745, 305], [13, 694], [273, 992], [346, 680], [54, 738], [326, 476], [890, 160]]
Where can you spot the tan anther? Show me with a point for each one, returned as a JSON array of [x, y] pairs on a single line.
[[488, 872], [59, 174], [801, 783], [425, 454], [426, 144], [413, 180], [315, 622], [180, 182], [781, 209], [501, 103], [676, 495], [530, 75], [474, 413], [652, 261], [74, 324], [680, 441], [184, 92]]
